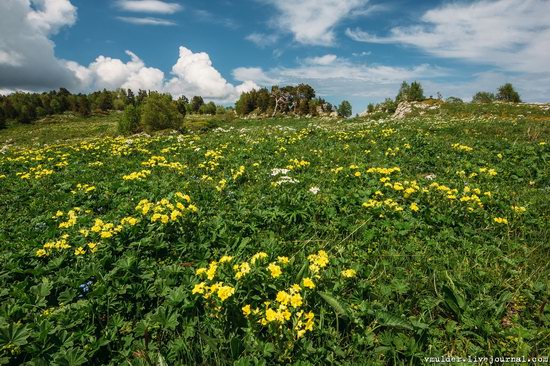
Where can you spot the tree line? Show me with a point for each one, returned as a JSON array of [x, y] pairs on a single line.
[[299, 100], [28, 107]]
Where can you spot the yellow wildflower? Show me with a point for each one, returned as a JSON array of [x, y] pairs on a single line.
[[275, 270], [349, 273], [79, 251], [308, 283]]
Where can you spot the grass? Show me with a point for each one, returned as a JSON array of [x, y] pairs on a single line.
[[128, 250]]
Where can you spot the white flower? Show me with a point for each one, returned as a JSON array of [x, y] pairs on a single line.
[[314, 190], [277, 171]]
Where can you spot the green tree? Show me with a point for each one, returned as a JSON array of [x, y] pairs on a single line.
[[416, 92], [404, 91], [507, 93], [182, 103], [208, 108], [2, 118], [483, 97], [83, 105], [196, 103], [159, 113], [344, 109], [129, 123]]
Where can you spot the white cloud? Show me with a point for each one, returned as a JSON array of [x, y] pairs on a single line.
[[321, 60], [146, 21], [253, 73], [51, 15], [263, 39], [149, 6], [27, 59], [511, 34], [195, 75], [312, 22]]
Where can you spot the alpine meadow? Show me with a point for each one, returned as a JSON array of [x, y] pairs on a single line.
[[154, 217]]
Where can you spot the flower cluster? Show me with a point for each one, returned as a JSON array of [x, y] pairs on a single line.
[[166, 211], [137, 175]]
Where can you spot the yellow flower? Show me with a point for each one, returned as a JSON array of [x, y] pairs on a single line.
[[241, 270], [500, 220], [246, 310], [41, 253], [106, 235], [282, 260], [357, 174], [349, 273], [308, 283], [283, 298], [296, 300], [211, 273], [164, 219], [93, 247], [226, 258], [257, 256], [224, 292], [275, 270], [200, 271], [199, 289], [414, 207], [79, 251]]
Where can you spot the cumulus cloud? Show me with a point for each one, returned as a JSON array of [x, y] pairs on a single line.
[[511, 34], [27, 59], [312, 22], [149, 6], [193, 74], [146, 21], [321, 60]]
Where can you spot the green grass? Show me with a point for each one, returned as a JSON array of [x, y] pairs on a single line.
[[435, 273]]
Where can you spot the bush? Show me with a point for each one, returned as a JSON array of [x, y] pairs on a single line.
[[129, 123], [410, 93], [507, 93], [483, 97], [2, 119], [344, 109], [159, 113], [454, 100]]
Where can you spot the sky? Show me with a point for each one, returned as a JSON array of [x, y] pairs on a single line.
[[355, 50]]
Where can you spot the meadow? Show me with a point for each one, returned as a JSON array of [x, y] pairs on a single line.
[[279, 241]]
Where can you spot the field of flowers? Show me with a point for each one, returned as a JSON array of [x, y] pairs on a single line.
[[283, 242]]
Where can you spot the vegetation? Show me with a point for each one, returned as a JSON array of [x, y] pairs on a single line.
[[159, 113], [297, 100], [483, 97], [373, 243], [344, 109], [410, 93], [507, 93]]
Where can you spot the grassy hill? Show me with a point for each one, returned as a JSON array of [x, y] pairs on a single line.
[[279, 241]]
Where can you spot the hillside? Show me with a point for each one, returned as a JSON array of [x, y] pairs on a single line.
[[280, 241]]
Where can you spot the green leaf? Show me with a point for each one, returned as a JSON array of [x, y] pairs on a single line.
[[334, 303], [13, 334], [393, 321], [161, 361]]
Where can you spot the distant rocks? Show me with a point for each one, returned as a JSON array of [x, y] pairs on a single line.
[[406, 108]]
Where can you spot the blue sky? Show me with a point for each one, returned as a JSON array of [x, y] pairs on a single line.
[[357, 50]]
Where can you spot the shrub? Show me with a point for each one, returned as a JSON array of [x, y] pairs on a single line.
[[454, 100], [483, 97], [159, 113], [344, 109], [129, 123], [2, 119], [507, 93]]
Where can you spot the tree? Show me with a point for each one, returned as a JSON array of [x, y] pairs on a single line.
[[483, 97], [403, 94], [507, 93], [129, 123], [159, 113], [2, 118], [344, 109], [208, 108], [196, 103], [83, 105], [416, 92], [182, 104], [410, 93]]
